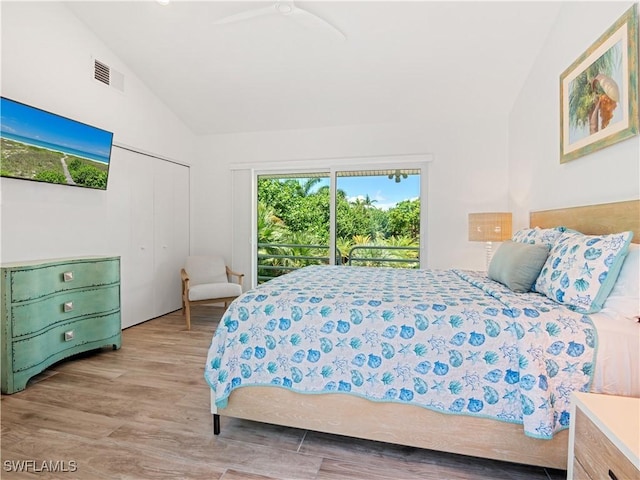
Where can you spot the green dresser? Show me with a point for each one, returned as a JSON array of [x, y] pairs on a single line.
[[52, 309]]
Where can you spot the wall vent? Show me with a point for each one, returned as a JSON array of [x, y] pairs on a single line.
[[107, 75], [102, 72]]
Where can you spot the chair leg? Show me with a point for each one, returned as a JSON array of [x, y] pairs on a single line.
[[188, 315]]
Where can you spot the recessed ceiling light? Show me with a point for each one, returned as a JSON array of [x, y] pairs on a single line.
[[164, 3]]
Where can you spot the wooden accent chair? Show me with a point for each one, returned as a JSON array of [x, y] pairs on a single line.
[[205, 280]]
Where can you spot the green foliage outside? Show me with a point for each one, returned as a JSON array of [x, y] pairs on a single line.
[[296, 218]]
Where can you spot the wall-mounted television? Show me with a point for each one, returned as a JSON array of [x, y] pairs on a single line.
[[45, 147]]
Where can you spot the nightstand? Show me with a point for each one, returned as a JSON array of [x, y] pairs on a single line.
[[604, 438]]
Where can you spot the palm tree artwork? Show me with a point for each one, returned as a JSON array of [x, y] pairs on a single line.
[[594, 95], [599, 92]]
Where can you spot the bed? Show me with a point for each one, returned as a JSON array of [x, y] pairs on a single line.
[[444, 360]]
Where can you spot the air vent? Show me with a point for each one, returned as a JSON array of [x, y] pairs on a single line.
[[101, 72], [107, 75]]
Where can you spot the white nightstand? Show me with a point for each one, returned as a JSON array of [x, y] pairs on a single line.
[[604, 438]]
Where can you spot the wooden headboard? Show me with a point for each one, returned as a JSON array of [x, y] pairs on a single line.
[[593, 219]]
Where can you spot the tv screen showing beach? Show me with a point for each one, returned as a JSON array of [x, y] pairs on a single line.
[[41, 146]]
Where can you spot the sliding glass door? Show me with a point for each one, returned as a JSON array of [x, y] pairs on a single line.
[[343, 217]]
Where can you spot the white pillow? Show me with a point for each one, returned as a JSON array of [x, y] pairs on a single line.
[[624, 299]]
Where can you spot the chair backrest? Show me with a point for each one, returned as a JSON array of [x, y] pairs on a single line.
[[206, 269]]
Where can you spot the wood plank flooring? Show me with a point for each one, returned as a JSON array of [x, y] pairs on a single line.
[[142, 412]]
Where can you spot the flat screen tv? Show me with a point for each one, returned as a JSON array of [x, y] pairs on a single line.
[[45, 147]]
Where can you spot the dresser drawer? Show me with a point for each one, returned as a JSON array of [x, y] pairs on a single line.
[[37, 282], [32, 351], [597, 455], [35, 316]]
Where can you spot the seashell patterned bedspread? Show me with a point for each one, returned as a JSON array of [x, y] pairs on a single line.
[[447, 340]]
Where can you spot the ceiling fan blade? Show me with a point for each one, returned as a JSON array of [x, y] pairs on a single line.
[[246, 15], [313, 21]]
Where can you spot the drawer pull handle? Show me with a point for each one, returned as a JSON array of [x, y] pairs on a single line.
[[68, 335], [67, 276], [612, 475], [68, 306]]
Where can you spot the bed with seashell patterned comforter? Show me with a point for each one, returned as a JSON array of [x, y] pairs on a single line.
[[473, 370], [451, 341]]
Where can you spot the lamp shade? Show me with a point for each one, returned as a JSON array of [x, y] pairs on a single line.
[[490, 227]]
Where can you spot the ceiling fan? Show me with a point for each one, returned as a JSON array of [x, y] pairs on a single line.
[[286, 8]]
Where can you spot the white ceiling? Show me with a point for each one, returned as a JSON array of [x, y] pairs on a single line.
[[416, 61]]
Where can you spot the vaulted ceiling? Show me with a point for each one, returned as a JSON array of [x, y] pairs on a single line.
[[415, 61]]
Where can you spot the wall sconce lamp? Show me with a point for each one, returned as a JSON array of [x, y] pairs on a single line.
[[489, 228]]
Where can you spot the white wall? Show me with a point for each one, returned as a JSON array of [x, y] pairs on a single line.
[[47, 62], [467, 174], [537, 180]]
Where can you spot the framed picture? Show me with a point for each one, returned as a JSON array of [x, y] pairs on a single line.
[[599, 92]]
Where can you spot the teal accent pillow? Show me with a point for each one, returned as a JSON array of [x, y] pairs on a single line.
[[517, 265], [582, 269]]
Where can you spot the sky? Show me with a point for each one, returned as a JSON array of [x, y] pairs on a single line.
[[384, 193]]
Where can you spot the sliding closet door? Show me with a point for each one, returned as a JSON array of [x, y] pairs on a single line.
[[155, 233], [137, 260], [171, 230]]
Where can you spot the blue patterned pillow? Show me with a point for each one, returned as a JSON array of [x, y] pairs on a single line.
[[537, 235], [582, 269]]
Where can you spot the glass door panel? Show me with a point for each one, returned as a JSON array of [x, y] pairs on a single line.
[[378, 218], [293, 220]]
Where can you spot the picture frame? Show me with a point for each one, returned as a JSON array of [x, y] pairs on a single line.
[[599, 92]]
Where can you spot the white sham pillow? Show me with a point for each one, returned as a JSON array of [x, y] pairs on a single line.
[[624, 299]]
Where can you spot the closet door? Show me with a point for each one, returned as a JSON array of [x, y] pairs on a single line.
[[171, 233], [150, 199], [138, 259]]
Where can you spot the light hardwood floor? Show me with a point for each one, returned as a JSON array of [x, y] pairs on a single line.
[[142, 412]]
